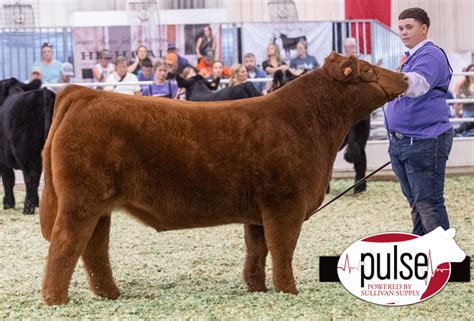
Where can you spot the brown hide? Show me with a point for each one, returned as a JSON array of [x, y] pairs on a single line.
[[263, 162]]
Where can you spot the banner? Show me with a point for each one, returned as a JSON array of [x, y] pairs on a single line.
[[257, 36], [88, 42]]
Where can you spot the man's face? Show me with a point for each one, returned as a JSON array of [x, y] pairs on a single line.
[[35, 75], [66, 78], [122, 68], [249, 63], [412, 32], [147, 71], [350, 49]]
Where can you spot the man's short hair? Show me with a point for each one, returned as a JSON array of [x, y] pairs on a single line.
[[249, 55], [121, 59], [418, 14], [147, 63]]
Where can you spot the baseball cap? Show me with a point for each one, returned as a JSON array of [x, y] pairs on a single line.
[[36, 69], [67, 69], [171, 58], [171, 45]]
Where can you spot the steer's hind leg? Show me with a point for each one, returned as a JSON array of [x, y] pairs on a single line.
[[72, 230], [282, 228], [32, 179], [254, 270], [8, 179], [96, 260]]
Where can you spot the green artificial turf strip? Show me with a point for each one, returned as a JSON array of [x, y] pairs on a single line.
[[198, 273]]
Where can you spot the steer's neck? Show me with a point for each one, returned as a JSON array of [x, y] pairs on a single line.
[[324, 105]]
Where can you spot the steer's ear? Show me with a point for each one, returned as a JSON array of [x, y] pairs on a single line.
[[182, 83], [341, 68]]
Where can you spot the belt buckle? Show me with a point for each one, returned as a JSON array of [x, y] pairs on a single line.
[[399, 136]]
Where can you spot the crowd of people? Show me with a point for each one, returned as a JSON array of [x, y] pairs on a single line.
[[163, 72]]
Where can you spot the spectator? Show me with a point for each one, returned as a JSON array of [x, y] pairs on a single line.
[[466, 91], [161, 86], [350, 47], [253, 71], [303, 61], [67, 74], [273, 62], [174, 65], [35, 74], [121, 74], [187, 73], [104, 68], [238, 74], [205, 43], [219, 70], [140, 54], [50, 68], [182, 62], [205, 64], [145, 73]]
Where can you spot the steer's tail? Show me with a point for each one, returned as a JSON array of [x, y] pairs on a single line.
[[49, 202]]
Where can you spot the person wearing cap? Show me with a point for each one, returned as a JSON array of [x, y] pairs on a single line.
[[67, 74], [421, 135], [104, 68], [174, 66], [181, 60], [50, 68]]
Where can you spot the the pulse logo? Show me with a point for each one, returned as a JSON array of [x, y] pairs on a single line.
[[399, 268]]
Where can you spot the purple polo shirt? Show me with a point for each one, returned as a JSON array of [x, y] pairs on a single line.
[[426, 116]]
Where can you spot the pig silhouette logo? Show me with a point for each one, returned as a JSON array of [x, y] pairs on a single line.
[[399, 268]]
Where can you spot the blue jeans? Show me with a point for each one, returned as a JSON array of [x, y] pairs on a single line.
[[420, 165]]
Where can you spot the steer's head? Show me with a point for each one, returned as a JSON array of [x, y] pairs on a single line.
[[12, 85], [364, 80]]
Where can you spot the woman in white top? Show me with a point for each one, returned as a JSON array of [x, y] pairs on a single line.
[[122, 75], [104, 68]]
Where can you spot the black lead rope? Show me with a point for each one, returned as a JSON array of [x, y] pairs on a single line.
[[360, 181]]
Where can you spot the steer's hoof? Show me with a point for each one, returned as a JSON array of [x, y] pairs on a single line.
[[54, 300], [8, 206], [29, 209]]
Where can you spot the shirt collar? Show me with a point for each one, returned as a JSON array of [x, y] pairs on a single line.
[[418, 46]]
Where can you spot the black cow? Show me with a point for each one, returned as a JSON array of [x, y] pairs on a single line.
[[356, 139], [25, 119], [200, 89], [290, 43]]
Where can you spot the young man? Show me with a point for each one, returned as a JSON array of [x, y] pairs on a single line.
[[121, 74], [253, 71], [421, 135]]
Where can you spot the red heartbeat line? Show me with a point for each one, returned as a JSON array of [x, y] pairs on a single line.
[[347, 265]]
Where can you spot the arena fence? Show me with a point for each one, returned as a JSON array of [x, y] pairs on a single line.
[[20, 48]]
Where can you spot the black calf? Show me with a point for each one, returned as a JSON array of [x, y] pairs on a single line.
[[25, 119]]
